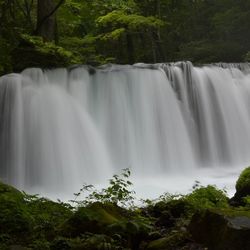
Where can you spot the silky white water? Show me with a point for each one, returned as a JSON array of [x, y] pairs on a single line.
[[170, 124]]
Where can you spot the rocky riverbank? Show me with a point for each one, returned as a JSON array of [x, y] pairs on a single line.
[[107, 219]]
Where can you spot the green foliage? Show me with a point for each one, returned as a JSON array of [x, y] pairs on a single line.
[[113, 31], [118, 191], [33, 52], [207, 197], [100, 223], [113, 35], [47, 215], [40, 244], [15, 221], [246, 201], [94, 241], [28, 219], [131, 22], [93, 218]]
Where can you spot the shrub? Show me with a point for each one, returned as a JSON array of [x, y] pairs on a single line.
[[207, 197], [118, 192]]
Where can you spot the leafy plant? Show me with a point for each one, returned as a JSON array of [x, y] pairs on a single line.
[[207, 197], [117, 192]]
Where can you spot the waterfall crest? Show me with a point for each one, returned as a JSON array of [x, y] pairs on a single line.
[[64, 127]]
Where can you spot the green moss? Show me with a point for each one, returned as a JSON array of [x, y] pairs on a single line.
[[94, 219], [16, 223], [173, 241], [28, 220], [207, 197], [7, 190], [232, 212], [243, 180]]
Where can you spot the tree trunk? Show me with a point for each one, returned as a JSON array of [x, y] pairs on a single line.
[[46, 23], [130, 49]]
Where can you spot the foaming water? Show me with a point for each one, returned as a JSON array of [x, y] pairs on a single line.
[[171, 124]]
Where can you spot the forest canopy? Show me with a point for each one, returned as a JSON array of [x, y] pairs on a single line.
[[122, 31]]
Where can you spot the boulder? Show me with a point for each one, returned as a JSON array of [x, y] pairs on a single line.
[[94, 218], [222, 229], [174, 241], [242, 188]]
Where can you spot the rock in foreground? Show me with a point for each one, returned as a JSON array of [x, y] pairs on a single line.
[[222, 230]]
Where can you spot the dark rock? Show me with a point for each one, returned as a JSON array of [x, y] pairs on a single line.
[[222, 229], [165, 220]]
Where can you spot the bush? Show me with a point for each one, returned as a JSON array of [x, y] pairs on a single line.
[[118, 192], [207, 197]]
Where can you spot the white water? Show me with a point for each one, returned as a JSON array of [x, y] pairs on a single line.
[[171, 124]]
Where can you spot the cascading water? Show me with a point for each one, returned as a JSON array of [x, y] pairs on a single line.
[[61, 128]]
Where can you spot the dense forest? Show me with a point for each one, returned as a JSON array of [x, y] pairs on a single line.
[[53, 33]]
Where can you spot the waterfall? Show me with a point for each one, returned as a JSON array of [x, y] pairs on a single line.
[[63, 127]]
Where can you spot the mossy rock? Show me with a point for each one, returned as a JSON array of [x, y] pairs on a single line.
[[94, 219], [168, 213], [242, 188], [33, 52], [132, 231], [93, 242], [222, 229], [176, 240], [176, 208], [6, 189], [243, 182], [86, 242]]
